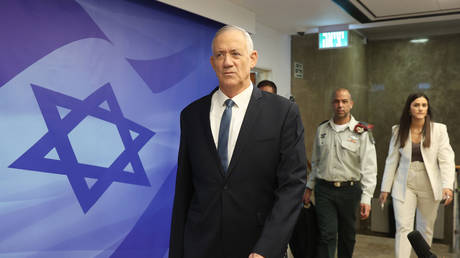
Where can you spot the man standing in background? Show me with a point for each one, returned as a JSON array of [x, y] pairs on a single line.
[[344, 175], [267, 86]]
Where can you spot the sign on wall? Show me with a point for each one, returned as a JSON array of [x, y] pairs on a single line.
[[90, 96], [333, 39], [298, 70]]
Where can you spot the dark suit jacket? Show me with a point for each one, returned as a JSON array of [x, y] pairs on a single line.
[[254, 206]]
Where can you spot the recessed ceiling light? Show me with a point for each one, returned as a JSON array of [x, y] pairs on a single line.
[[424, 40]]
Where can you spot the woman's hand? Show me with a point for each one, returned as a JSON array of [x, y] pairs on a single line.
[[447, 195], [383, 198]]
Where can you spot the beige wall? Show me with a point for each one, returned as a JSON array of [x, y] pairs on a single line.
[[397, 67], [324, 71], [380, 75]]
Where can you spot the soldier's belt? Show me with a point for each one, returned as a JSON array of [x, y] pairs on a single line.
[[337, 184]]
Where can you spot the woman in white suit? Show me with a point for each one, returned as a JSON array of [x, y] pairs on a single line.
[[419, 172]]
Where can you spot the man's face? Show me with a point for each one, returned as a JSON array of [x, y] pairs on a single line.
[[342, 104], [231, 60]]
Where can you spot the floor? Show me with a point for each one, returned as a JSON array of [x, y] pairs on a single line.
[[383, 247]]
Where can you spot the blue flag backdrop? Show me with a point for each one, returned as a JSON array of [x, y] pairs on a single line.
[[90, 97]]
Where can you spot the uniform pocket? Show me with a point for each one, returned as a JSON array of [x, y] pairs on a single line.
[[351, 146]]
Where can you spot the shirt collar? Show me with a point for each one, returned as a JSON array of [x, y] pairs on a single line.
[[351, 124], [241, 100]]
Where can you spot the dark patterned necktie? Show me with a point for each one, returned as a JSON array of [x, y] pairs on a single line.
[[222, 144]]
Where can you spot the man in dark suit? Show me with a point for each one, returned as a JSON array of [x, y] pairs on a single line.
[[241, 165]]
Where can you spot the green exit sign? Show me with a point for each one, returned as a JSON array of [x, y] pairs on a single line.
[[333, 39]]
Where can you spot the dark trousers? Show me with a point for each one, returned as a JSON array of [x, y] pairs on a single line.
[[336, 209]]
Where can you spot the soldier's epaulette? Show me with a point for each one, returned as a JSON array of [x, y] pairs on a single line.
[[325, 121], [362, 127], [367, 126]]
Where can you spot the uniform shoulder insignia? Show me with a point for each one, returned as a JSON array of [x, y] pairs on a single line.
[[365, 127], [362, 127], [325, 121]]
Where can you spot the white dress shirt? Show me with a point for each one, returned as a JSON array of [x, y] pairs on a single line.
[[238, 111]]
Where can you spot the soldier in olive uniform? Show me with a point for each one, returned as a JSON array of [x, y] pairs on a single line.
[[344, 175]]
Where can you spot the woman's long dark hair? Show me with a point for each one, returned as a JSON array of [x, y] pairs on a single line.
[[405, 121]]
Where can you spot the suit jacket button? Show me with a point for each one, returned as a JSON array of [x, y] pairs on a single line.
[[225, 187]]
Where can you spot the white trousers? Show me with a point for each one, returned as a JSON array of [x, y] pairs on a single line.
[[420, 198]]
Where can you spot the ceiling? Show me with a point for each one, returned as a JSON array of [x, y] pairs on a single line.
[[376, 10], [375, 19]]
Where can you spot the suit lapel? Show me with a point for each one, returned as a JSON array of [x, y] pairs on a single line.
[[246, 128], [423, 140], [208, 133]]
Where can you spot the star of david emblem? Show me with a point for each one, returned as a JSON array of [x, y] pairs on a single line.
[[35, 159]]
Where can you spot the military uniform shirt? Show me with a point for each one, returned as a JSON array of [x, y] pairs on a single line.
[[346, 155]]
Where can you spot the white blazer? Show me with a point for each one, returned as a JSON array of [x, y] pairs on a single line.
[[439, 160]]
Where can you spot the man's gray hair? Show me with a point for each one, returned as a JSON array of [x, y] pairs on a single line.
[[249, 42]]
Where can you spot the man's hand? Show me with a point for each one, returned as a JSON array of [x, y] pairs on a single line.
[[365, 211], [306, 196], [254, 255]]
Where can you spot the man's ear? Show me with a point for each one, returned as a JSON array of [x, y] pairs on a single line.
[[211, 60], [253, 56]]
